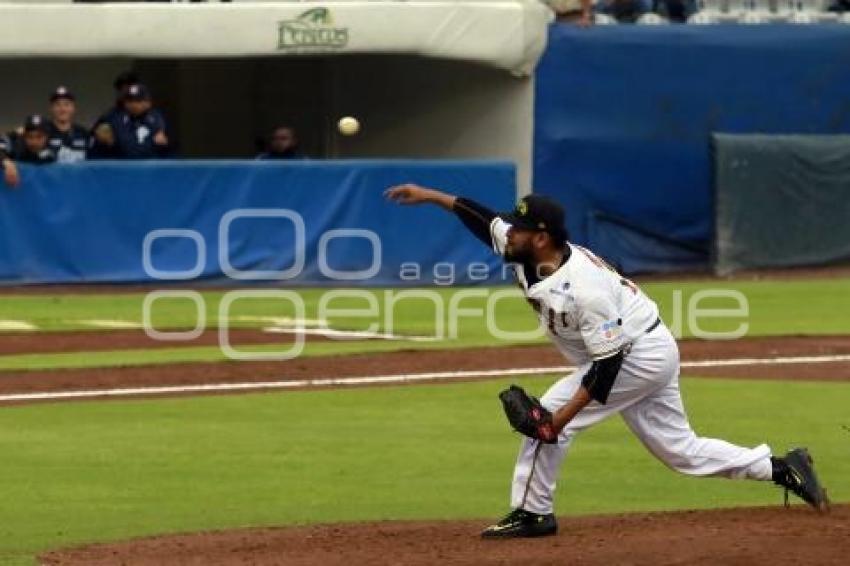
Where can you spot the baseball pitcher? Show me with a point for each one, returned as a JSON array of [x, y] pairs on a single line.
[[628, 363]]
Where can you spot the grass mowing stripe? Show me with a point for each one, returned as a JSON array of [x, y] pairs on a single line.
[[162, 356], [84, 471], [774, 310], [775, 307]]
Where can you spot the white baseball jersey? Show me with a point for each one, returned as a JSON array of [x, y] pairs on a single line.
[[589, 310], [590, 313]]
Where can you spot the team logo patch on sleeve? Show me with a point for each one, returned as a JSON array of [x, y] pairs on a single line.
[[610, 329]]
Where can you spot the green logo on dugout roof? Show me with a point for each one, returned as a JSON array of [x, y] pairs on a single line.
[[313, 29]]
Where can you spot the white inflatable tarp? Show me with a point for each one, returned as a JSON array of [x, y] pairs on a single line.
[[507, 34]]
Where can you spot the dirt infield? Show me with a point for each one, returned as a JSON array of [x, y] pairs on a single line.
[[775, 536], [404, 362]]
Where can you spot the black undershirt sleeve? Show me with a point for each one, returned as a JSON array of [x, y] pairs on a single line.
[[476, 217], [599, 379]]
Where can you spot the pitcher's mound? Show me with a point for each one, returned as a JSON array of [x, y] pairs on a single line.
[[770, 536]]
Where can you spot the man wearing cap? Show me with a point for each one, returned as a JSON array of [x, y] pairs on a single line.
[[69, 141], [102, 140], [30, 147], [138, 131], [7, 164], [627, 363]]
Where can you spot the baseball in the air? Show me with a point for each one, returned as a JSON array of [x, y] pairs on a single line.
[[348, 126]]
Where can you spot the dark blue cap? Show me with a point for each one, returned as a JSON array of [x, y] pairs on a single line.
[[61, 92], [35, 122], [137, 92]]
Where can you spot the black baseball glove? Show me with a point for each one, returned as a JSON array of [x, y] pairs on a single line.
[[527, 415]]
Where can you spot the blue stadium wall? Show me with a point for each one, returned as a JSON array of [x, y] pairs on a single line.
[[181, 222], [624, 114], [623, 118]]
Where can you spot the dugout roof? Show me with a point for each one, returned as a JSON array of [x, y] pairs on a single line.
[[507, 34]]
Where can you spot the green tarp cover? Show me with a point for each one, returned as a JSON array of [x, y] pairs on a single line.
[[781, 201]]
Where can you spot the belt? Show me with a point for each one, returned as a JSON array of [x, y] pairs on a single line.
[[653, 326]]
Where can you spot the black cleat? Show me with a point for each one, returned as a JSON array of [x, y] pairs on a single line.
[[520, 523], [796, 473]]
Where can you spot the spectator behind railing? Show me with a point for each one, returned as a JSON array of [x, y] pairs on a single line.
[[69, 141], [136, 131], [30, 146], [579, 12], [624, 11], [7, 164], [102, 139], [282, 143], [676, 10]]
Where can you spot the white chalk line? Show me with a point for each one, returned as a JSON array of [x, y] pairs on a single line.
[[285, 321], [279, 325], [780, 360], [112, 324], [350, 334], [16, 325], [386, 379]]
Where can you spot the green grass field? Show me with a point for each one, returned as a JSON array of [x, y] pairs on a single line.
[[775, 309], [77, 472]]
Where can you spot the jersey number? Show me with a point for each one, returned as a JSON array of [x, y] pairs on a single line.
[[552, 320]]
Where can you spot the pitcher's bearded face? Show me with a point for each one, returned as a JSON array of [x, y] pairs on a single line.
[[520, 246]]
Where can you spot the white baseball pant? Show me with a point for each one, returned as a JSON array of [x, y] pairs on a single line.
[[646, 393]]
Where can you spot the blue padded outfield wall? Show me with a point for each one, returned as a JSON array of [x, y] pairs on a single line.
[[89, 222], [624, 115]]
